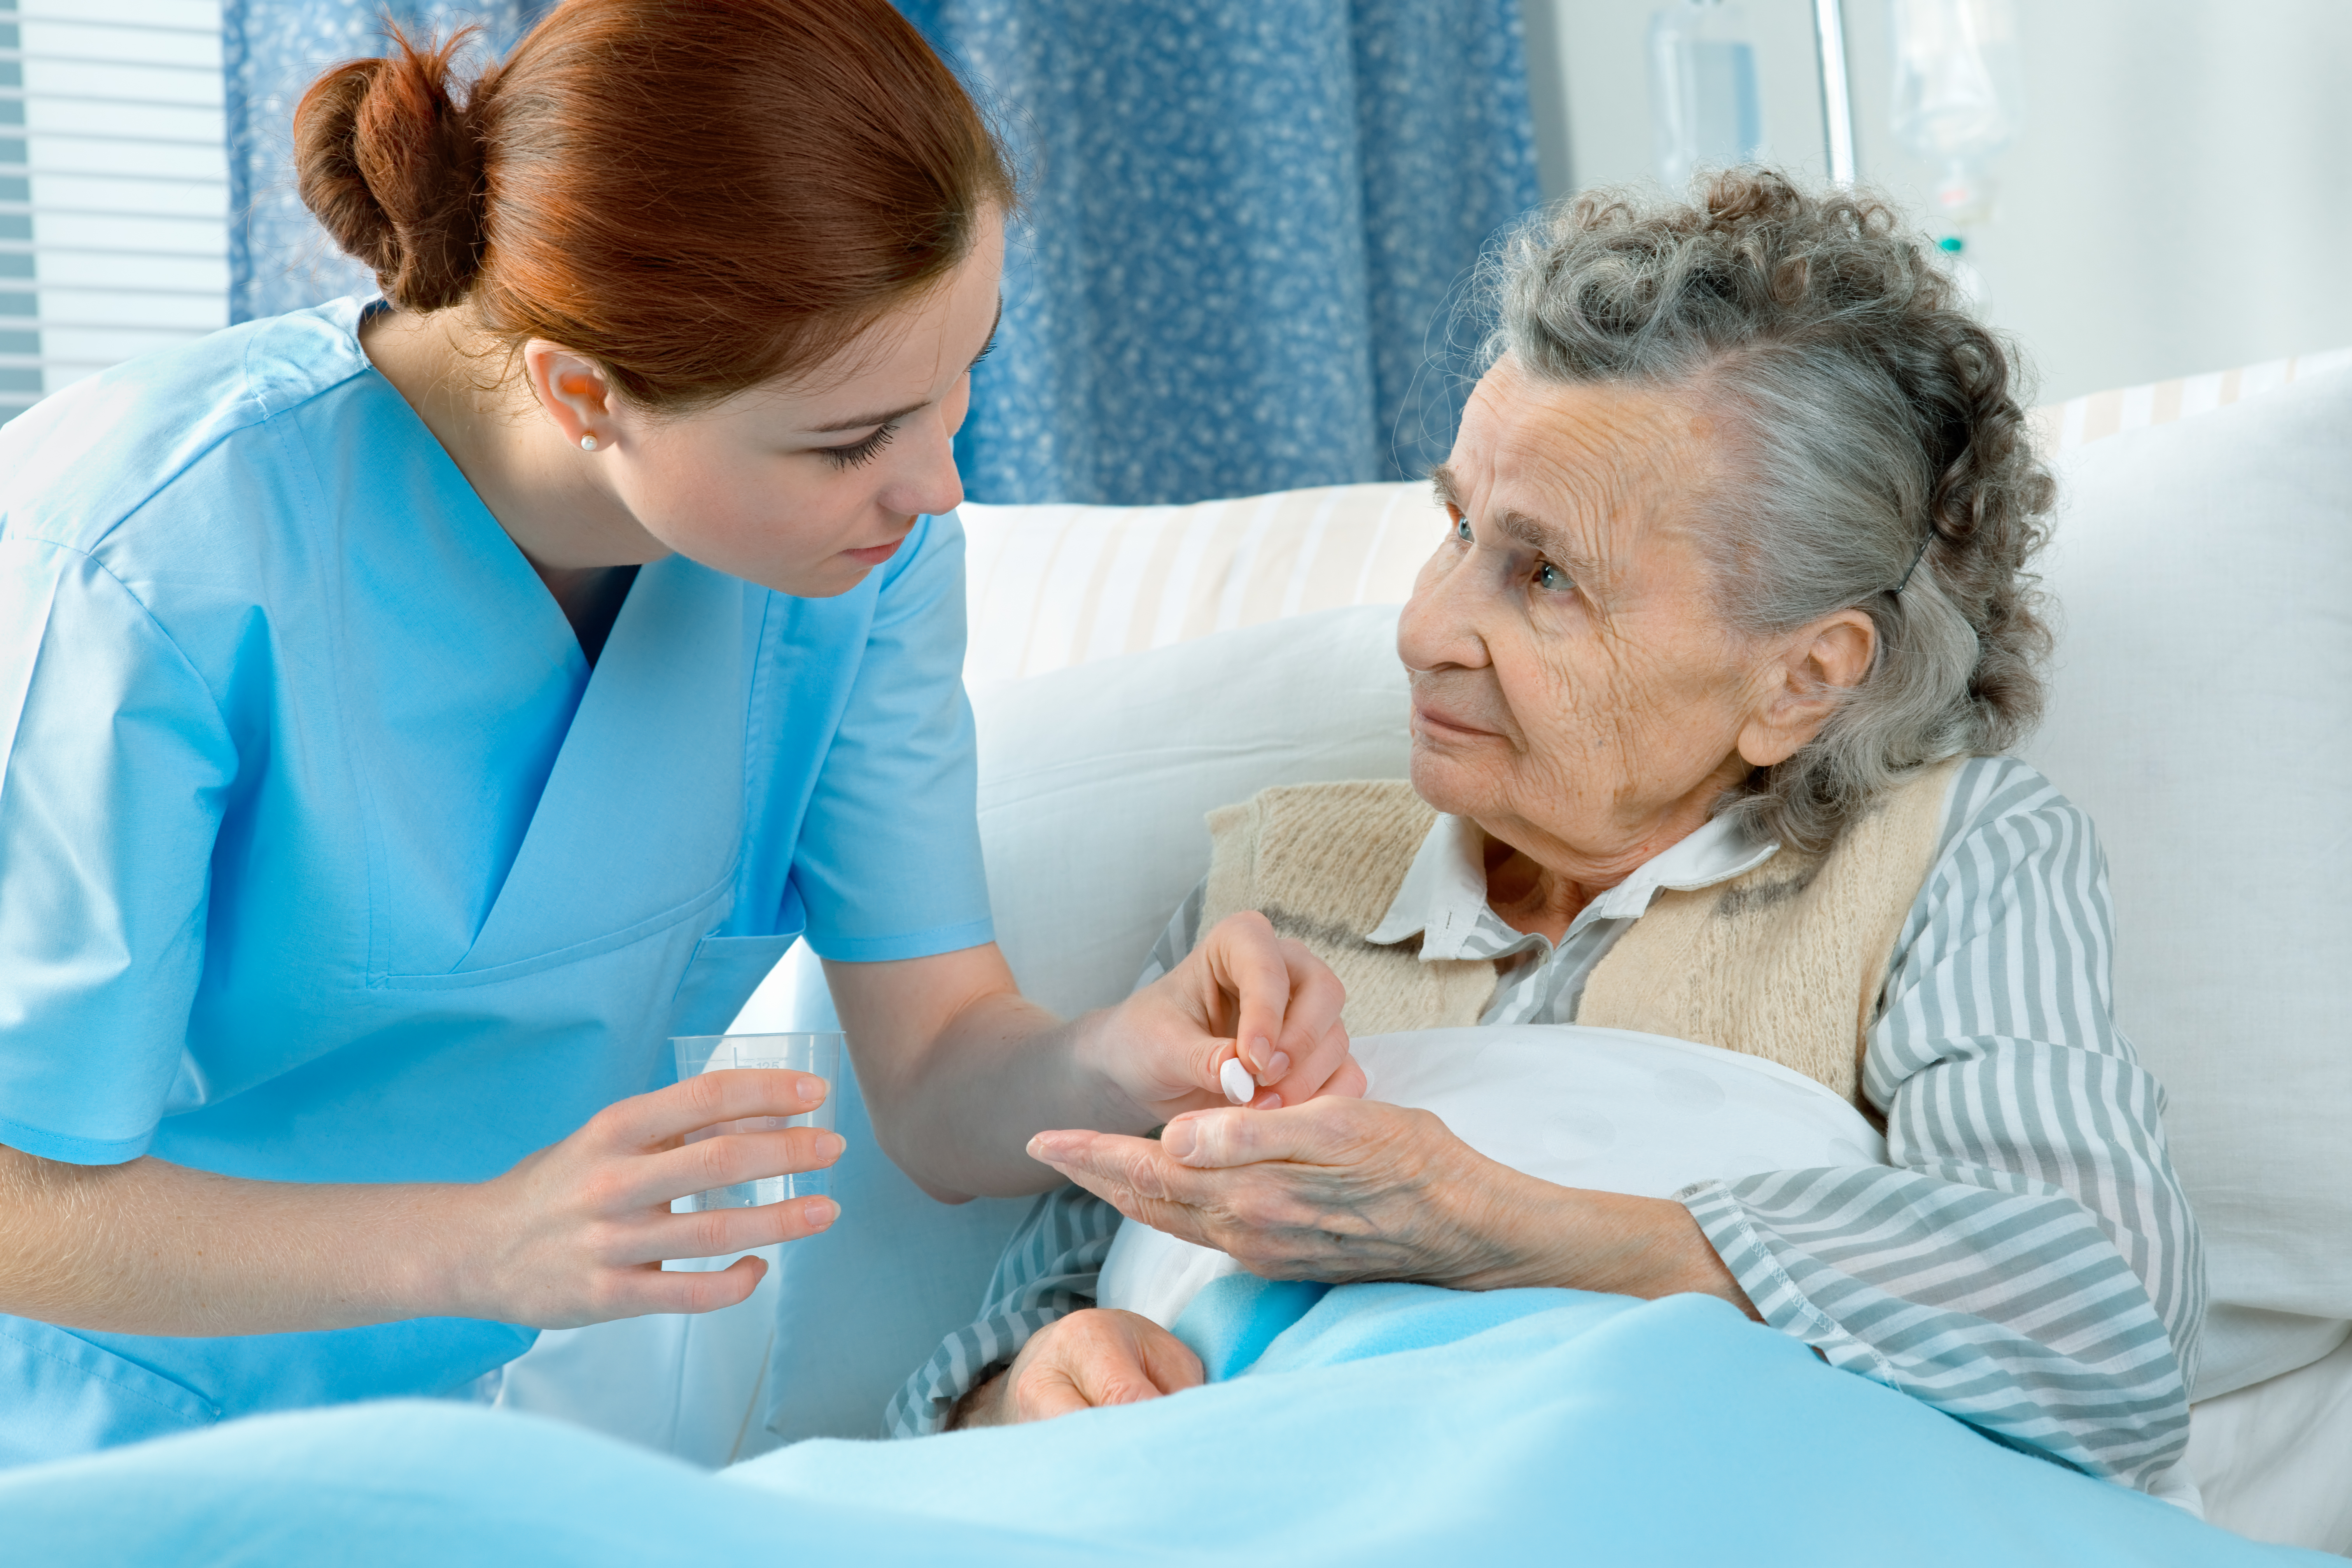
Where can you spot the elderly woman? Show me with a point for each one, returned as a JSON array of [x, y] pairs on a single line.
[[1711, 684]]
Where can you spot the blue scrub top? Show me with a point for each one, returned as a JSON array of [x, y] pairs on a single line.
[[324, 857]]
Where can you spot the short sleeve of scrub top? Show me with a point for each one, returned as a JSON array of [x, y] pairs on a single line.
[[326, 857]]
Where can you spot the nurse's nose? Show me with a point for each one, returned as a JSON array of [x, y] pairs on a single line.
[[926, 479]]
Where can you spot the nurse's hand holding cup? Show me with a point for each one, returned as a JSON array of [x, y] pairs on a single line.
[[729, 1159], [578, 1233]]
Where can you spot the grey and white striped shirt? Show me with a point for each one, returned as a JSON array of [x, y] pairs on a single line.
[[2026, 1261]]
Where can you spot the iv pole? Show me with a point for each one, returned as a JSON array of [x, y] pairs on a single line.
[[1837, 92]]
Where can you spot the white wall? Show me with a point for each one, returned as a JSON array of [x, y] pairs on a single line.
[[2180, 200]]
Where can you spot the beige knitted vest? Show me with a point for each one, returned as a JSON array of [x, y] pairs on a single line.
[[1784, 962]]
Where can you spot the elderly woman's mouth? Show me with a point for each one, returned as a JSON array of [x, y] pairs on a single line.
[[1446, 723]]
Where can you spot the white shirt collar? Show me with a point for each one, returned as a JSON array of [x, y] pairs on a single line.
[[1443, 896]]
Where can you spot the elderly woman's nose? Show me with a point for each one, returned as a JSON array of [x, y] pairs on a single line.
[[1439, 625]]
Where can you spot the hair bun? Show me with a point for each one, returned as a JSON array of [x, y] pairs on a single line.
[[391, 164]]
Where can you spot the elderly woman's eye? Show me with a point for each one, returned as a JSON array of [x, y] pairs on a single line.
[[1461, 529], [1549, 576]]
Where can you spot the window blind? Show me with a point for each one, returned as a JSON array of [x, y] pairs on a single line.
[[113, 187]]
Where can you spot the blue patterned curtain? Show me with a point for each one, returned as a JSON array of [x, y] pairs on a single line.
[[1244, 224], [278, 258]]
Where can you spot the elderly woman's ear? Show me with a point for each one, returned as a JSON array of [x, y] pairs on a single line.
[[1802, 680]]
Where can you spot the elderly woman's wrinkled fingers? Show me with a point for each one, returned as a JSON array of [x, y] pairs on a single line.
[[1323, 1131], [1336, 1189], [1118, 1169], [1095, 1358], [1133, 1163], [1133, 1175]]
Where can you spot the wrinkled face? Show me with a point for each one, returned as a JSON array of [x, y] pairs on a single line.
[[1574, 690], [805, 486]]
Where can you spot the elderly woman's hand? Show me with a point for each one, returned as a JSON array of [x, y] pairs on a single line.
[[1089, 1359], [1344, 1189]]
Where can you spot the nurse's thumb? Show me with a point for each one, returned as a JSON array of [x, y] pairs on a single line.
[[1220, 1069]]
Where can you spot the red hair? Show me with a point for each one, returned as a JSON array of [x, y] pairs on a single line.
[[699, 194]]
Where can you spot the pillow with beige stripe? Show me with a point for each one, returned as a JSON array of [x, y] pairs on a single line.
[[1053, 586]]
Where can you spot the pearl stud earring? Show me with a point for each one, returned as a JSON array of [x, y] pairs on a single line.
[[587, 443]]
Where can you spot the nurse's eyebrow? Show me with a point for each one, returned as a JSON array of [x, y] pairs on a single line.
[[864, 421]]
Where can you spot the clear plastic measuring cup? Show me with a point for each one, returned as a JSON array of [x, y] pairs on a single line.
[[809, 1053]]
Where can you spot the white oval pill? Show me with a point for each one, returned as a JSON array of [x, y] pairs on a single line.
[[1240, 1088]]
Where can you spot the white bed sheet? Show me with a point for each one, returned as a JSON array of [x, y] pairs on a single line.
[[2274, 1461]]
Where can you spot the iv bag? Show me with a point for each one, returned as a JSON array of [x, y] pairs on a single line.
[[1959, 94], [1703, 104]]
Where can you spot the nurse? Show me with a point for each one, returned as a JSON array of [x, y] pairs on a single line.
[[413, 711]]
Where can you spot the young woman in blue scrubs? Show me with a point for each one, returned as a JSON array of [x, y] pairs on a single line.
[[412, 712]]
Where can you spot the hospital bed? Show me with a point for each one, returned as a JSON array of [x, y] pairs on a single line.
[[1133, 667]]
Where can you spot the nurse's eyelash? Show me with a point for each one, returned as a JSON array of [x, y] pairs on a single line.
[[858, 453]]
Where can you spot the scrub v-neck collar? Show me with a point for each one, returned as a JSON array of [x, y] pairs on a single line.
[[640, 819], [543, 620]]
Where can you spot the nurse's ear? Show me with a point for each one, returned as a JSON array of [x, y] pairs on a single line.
[[576, 393]]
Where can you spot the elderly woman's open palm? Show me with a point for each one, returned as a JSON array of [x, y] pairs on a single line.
[[1344, 1189]]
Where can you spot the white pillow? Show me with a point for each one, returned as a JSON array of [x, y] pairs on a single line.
[[1053, 586], [1606, 1109], [1094, 782], [2199, 714]]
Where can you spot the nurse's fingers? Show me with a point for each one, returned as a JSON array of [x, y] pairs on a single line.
[[1348, 1083], [1312, 1034], [658, 1119], [715, 1233], [1326, 1069], [683, 1292], [1283, 999], [722, 1162]]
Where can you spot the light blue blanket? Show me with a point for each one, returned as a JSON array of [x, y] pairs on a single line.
[[1372, 1423]]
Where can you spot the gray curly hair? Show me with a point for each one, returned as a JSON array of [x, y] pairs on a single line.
[[1886, 461]]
